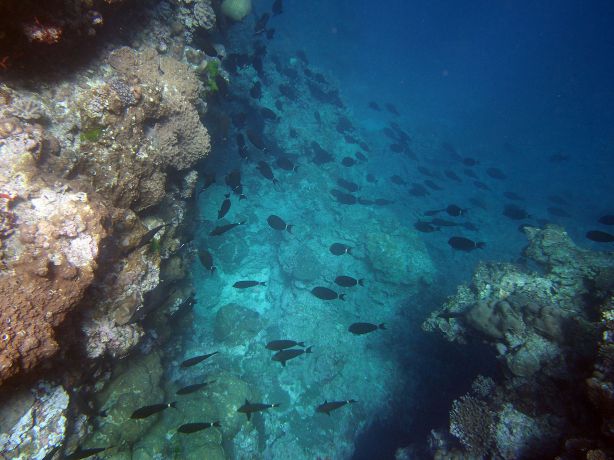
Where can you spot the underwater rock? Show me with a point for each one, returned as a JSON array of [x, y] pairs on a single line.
[[236, 9], [236, 325], [300, 262]]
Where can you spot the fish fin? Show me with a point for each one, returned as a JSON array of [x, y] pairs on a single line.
[[262, 283], [480, 245], [361, 281], [308, 350], [283, 363], [382, 326], [242, 197], [301, 344], [275, 405], [296, 169], [289, 228], [275, 181], [216, 423], [348, 250], [213, 267], [342, 296], [249, 415], [242, 222], [327, 413], [227, 195], [173, 405]]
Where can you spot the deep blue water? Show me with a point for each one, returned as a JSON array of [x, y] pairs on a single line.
[[524, 87]]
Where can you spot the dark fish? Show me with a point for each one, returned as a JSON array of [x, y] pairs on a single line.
[[217, 231], [382, 202], [478, 203], [277, 7], [278, 105], [268, 114], [365, 328], [249, 408], [398, 180], [515, 212], [444, 223], [348, 281], [365, 201], [321, 156], [327, 407], [302, 56], [425, 227], [452, 175], [270, 33], [225, 207], [324, 293], [208, 180], [418, 190], [451, 314], [261, 23], [349, 139], [397, 148], [496, 173], [392, 109], [233, 180], [193, 388], [339, 249], [248, 284], [349, 186], [599, 236], [455, 211], [256, 90], [286, 164], [425, 171], [371, 178], [317, 116], [277, 223], [607, 219], [558, 212], [266, 171], [145, 239], [470, 173], [513, 196], [80, 453], [146, 411], [470, 226], [470, 161], [284, 355], [343, 198], [206, 259], [360, 156], [481, 185], [432, 185], [348, 161], [293, 133], [433, 212], [258, 66], [196, 359], [241, 141], [256, 139], [374, 105], [198, 426], [277, 345], [465, 244]]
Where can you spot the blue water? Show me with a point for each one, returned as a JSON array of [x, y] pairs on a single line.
[[524, 87]]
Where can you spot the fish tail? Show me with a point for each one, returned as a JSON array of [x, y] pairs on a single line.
[[361, 281], [342, 296], [382, 326], [283, 364], [480, 245], [275, 181], [216, 423], [301, 344], [213, 267], [242, 222], [308, 350], [173, 404], [242, 197], [275, 405], [296, 169], [289, 228], [348, 250], [262, 283]]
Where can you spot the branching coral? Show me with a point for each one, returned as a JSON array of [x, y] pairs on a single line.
[[472, 423]]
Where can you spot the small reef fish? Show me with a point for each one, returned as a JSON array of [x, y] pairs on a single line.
[[197, 359], [513, 196], [338, 249], [444, 223], [249, 408], [188, 428], [360, 156], [348, 161], [418, 190], [256, 139], [266, 171], [515, 212], [607, 219], [425, 171], [284, 355], [461, 243], [398, 180], [145, 239], [343, 198], [217, 231], [452, 175], [374, 106], [225, 207], [80, 453], [382, 201], [327, 407], [324, 293], [233, 180], [286, 164], [455, 211], [470, 161], [189, 389], [432, 185], [277, 345], [365, 328], [371, 178], [256, 90], [261, 23], [600, 237], [248, 284], [277, 223], [392, 109], [470, 173], [268, 114], [348, 281], [481, 185], [349, 186], [496, 173], [425, 227], [278, 7], [207, 182], [147, 411], [317, 116], [206, 259]]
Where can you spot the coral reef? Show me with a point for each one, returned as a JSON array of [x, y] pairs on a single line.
[[542, 328], [236, 9]]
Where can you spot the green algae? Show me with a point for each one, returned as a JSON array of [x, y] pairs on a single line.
[[91, 135]]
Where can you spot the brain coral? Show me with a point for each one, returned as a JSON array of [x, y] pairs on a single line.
[[236, 9]]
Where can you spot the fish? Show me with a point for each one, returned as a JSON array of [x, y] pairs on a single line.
[[277, 7], [285, 355], [365, 328], [513, 196], [233, 180], [206, 259], [432, 185], [268, 114], [451, 314], [360, 156], [365, 201], [418, 190], [249, 408], [317, 116], [496, 173], [349, 186], [270, 33], [371, 178], [425, 227], [266, 171], [327, 407], [470, 173], [600, 237], [392, 109], [261, 23], [325, 293], [279, 106], [398, 180], [188, 428], [425, 171], [217, 231], [225, 207], [455, 211], [461, 243], [286, 164], [515, 212], [343, 198], [193, 388], [374, 106], [256, 139], [321, 156], [256, 90], [145, 239], [607, 219], [248, 284], [481, 185], [277, 223], [558, 212], [196, 359], [80, 453], [277, 345], [348, 281], [397, 148], [444, 223], [470, 161], [339, 249], [208, 180], [348, 161], [452, 175], [146, 411]]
